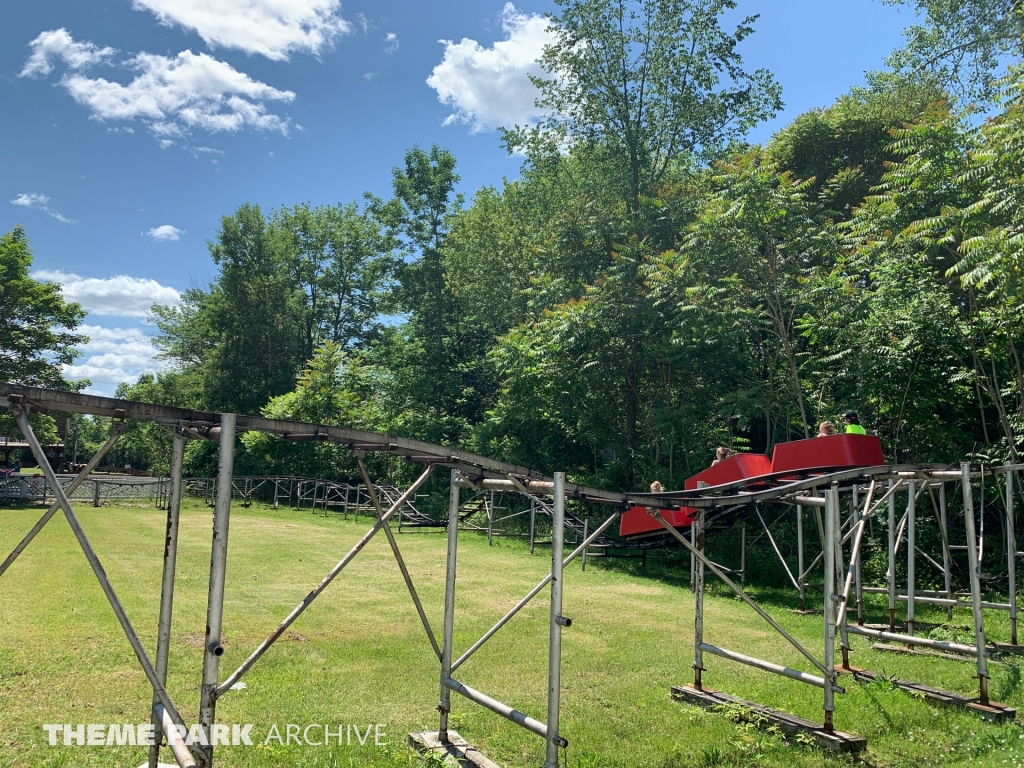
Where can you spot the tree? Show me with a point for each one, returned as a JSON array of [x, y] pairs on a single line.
[[341, 262], [641, 84], [960, 44], [36, 323]]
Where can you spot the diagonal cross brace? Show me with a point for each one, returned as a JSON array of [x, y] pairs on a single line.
[[118, 430], [21, 417], [398, 556], [739, 592], [297, 611]]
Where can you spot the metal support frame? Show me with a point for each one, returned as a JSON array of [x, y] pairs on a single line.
[[974, 566], [557, 620], [212, 648], [890, 575], [163, 641], [1011, 556], [445, 706], [831, 516], [117, 429], [21, 416], [398, 556], [802, 575], [911, 556], [698, 603]]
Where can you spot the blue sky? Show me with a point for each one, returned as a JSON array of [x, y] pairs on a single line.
[[131, 126]]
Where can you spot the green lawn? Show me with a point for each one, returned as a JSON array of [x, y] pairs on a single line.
[[359, 656]]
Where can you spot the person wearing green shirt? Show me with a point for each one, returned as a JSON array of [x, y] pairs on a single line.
[[853, 426]]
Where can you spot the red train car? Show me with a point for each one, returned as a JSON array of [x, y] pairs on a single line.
[[817, 454]]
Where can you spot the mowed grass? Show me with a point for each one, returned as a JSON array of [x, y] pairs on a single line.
[[359, 655]]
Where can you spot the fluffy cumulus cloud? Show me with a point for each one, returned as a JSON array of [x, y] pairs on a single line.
[[58, 44], [165, 232], [172, 95], [112, 356], [40, 202], [272, 28], [121, 296], [490, 87]]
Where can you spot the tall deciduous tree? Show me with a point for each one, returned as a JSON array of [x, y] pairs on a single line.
[[36, 324], [960, 44], [642, 83]]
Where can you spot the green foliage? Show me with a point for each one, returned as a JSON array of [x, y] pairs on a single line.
[[649, 288], [36, 323], [640, 85], [959, 44]]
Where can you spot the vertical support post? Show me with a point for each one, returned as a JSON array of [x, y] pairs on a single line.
[[947, 573], [890, 577], [445, 707], [698, 603], [801, 578], [163, 641], [831, 513], [1011, 556], [218, 566], [533, 522], [911, 555], [743, 555], [583, 557], [972, 562], [277, 487], [490, 517], [840, 583], [858, 587], [95, 493], [693, 562], [557, 621]]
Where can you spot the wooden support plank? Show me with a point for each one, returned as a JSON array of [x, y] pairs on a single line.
[[993, 711], [456, 747], [837, 741]]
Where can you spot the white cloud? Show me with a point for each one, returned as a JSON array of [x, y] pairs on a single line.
[[40, 202], [490, 87], [173, 95], [393, 42], [58, 44], [114, 355], [121, 295], [272, 28], [165, 232]]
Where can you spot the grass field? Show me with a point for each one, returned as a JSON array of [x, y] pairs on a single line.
[[359, 655]]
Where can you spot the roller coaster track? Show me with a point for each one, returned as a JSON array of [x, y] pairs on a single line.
[[722, 500]]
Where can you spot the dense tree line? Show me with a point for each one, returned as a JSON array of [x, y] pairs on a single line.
[[651, 286]]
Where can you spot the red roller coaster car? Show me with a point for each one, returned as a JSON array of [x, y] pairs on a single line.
[[819, 454]]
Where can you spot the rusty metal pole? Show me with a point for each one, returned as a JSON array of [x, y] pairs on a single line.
[[445, 706], [557, 621], [801, 576], [974, 565], [533, 522], [218, 565], [947, 572], [831, 515], [890, 577], [1011, 556], [911, 556], [743, 553], [163, 641], [698, 603]]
